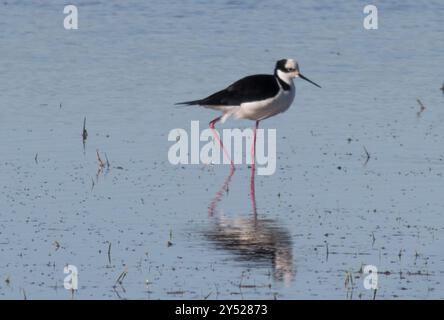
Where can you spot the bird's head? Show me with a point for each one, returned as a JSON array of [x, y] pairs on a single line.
[[288, 69]]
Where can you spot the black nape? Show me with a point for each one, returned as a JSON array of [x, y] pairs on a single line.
[[280, 65]]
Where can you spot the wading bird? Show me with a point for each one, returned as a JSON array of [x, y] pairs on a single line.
[[255, 97]]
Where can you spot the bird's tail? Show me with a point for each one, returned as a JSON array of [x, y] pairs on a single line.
[[189, 103]]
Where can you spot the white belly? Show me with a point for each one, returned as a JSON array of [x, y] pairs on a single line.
[[260, 110]]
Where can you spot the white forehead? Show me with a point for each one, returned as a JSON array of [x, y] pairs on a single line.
[[291, 64]]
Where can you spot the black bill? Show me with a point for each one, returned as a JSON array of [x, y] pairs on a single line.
[[306, 79]]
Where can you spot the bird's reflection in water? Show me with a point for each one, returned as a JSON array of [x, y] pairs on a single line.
[[256, 242]]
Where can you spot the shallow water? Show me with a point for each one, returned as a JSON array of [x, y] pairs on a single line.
[[325, 211]]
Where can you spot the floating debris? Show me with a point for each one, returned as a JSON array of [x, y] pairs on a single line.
[[56, 245], [367, 154], [107, 161], [109, 253], [121, 277], [84, 133], [422, 108]]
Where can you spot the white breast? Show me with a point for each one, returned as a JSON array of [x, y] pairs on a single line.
[[260, 110]]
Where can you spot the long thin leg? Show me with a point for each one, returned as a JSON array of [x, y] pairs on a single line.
[[253, 155], [253, 194], [253, 145], [216, 136]]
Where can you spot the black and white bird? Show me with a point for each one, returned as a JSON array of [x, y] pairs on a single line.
[[255, 97]]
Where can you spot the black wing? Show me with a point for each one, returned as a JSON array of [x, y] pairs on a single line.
[[248, 89]]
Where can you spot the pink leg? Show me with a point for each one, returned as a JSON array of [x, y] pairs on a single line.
[[253, 155], [253, 194], [253, 146], [216, 136]]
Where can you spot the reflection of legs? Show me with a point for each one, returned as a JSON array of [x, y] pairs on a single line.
[[224, 187], [216, 136], [220, 193], [253, 155]]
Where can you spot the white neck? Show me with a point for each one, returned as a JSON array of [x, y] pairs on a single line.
[[287, 78]]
